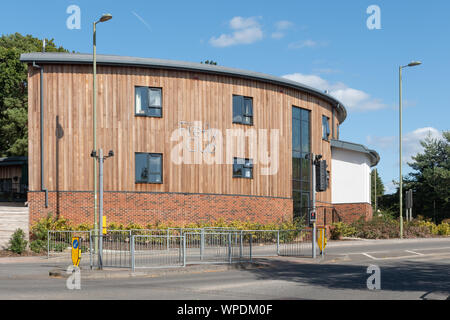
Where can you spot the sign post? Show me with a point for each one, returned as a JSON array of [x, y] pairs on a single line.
[[76, 251], [312, 215]]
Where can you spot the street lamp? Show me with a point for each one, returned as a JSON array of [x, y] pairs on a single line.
[[411, 64], [104, 18]]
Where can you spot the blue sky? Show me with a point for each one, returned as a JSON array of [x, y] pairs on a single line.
[[325, 44]]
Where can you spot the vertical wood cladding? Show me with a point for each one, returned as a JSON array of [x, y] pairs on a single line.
[[186, 96]]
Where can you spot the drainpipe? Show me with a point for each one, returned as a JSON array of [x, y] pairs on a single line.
[[43, 188], [332, 121]]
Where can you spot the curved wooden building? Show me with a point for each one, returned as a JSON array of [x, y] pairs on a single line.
[[146, 110]]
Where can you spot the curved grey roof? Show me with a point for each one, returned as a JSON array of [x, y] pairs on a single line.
[[77, 58], [373, 155]]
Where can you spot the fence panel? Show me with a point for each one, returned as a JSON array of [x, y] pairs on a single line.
[[155, 251], [59, 246], [264, 243], [214, 247], [116, 249], [296, 243]]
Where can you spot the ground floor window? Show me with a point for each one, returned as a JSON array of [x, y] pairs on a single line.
[[148, 167]]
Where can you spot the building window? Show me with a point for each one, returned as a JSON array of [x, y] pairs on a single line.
[[148, 101], [242, 110], [148, 167], [243, 168], [325, 128], [301, 166]]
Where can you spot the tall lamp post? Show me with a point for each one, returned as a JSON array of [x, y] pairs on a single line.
[[104, 18], [412, 64]]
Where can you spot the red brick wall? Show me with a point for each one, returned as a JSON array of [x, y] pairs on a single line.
[[350, 212], [149, 208]]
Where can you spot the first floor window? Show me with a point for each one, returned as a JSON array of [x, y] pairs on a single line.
[[148, 167], [325, 128], [243, 168], [148, 101], [242, 110]]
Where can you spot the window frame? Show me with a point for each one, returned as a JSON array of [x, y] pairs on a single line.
[[149, 155], [243, 110], [247, 163], [326, 129], [147, 114]]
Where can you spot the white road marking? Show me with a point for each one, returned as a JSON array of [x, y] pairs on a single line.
[[368, 255], [419, 254]]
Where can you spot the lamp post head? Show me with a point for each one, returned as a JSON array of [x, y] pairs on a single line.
[[414, 63], [105, 17]]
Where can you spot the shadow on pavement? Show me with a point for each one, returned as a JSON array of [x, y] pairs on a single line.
[[404, 276]]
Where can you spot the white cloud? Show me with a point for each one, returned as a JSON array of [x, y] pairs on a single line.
[[243, 23], [326, 70], [306, 44], [410, 142], [280, 27], [390, 188], [277, 35], [283, 25], [246, 31], [352, 98]]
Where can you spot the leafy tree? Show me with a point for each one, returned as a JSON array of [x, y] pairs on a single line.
[[430, 179], [14, 91], [375, 179], [209, 62]]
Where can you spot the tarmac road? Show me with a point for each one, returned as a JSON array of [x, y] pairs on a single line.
[[409, 269]]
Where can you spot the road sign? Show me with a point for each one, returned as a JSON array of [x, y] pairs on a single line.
[[76, 251], [312, 216], [104, 225], [322, 239]]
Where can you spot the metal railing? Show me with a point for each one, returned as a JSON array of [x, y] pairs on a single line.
[[115, 249], [152, 251], [177, 247], [59, 245], [297, 243], [214, 247]]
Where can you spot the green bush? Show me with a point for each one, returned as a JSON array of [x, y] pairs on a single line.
[[17, 243], [39, 230], [341, 229], [38, 246]]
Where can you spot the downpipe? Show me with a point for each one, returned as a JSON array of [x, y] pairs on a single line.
[[43, 188]]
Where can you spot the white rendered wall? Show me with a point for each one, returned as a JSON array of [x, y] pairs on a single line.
[[350, 176]]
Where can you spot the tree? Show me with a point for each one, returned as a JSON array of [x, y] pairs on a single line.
[[430, 179], [209, 62], [375, 179], [14, 91]]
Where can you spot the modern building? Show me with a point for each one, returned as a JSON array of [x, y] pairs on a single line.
[[13, 179], [351, 184], [192, 142]]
